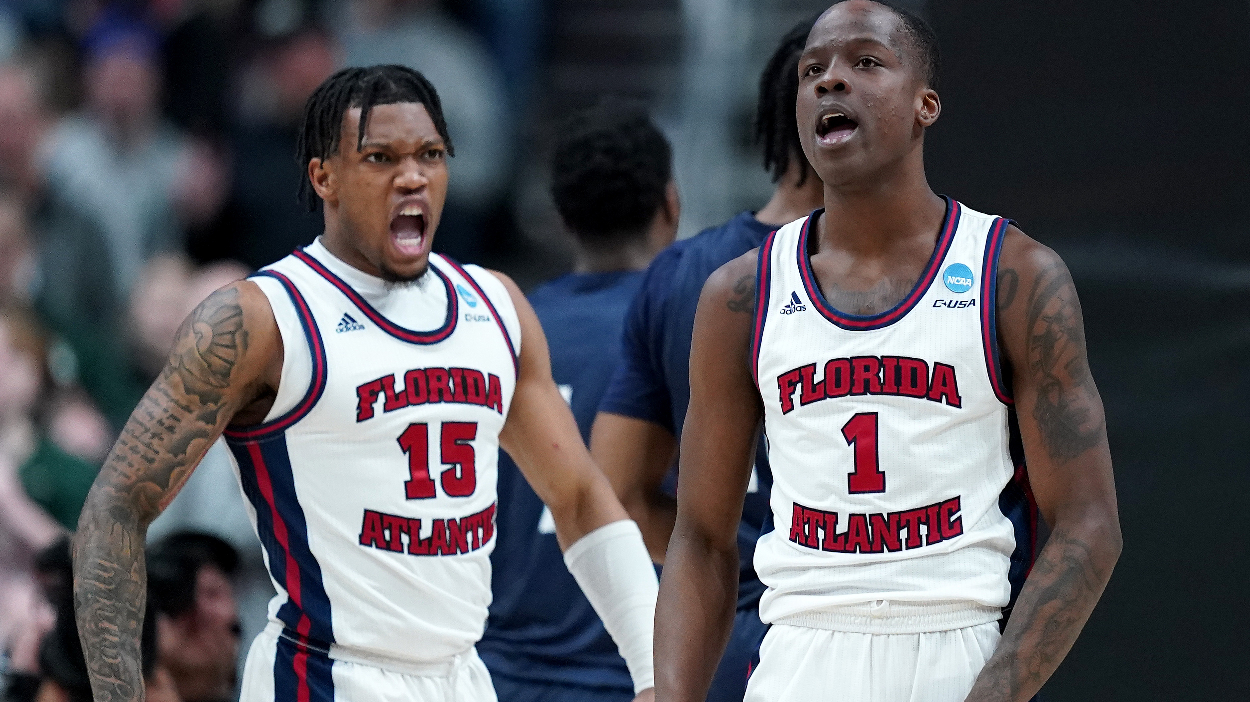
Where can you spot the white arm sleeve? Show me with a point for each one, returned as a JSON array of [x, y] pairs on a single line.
[[614, 570]]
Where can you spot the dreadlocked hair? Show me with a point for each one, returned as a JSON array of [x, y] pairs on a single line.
[[776, 128], [364, 88]]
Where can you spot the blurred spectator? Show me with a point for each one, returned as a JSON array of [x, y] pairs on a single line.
[[189, 578], [269, 220], [54, 479], [197, 57], [17, 254], [118, 163], [418, 34]]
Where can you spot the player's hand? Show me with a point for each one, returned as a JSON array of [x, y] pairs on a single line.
[[647, 695]]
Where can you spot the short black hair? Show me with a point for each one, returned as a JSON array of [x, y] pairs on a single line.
[[776, 127], [174, 564], [363, 88], [610, 171], [923, 38]]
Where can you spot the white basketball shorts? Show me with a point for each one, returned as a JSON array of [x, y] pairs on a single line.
[[278, 670], [800, 663]]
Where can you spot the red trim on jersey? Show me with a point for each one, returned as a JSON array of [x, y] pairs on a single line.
[[265, 483], [866, 323], [989, 307], [763, 283], [386, 325], [516, 361], [317, 384]]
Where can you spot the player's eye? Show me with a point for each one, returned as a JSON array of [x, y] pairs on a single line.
[[377, 157], [436, 154], [867, 62], [812, 70]]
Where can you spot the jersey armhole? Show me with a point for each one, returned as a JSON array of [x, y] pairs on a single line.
[[763, 286], [279, 420], [989, 307], [509, 328]]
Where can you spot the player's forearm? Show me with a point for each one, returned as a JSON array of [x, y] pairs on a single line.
[[694, 615], [1058, 598], [655, 512], [110, 591]]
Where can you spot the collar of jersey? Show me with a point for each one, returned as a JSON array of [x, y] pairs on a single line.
[[853, 322], [403, 334]]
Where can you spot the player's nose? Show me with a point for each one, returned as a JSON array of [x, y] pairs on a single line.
[[834, 80], [410, 176]]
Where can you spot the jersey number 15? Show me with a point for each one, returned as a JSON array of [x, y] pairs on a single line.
[[460, 480]]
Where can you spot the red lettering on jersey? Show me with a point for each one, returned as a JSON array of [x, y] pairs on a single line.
[[810, 392], [371, 530], [414, 386], [438, 537], [943, 386], [833, 540], [440, 385], [889, 375], [911, 520], [393, 401], [395, 526], [474, 387], [417, 546], [876, 533], [866, 371], [857, 534], [951, 523], [884, 529], [933, 527], [457, 383], [366, 395], [914, 380], [786, 382], [494, 394], [457, 539], [838, 378]]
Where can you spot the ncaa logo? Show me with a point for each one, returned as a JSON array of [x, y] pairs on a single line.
[[958, 278], [468, 295]]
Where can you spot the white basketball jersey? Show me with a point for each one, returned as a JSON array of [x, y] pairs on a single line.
[[372, 483], [887, 434]]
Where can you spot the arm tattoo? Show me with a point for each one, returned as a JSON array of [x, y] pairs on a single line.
[[167, 434], [1066, 397], [1008, 282], [743, 299], [1063, 588]]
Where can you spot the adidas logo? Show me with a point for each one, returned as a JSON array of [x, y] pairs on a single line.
[[348, 323], [794, 305]]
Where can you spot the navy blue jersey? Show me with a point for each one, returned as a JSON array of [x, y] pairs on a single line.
[[653, 380], [541, 628]]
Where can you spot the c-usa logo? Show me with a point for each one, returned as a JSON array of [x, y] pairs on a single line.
[[469, 298], [794, 305]]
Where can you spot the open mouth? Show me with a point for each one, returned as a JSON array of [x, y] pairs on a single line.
[[408, 230], [835, 127]]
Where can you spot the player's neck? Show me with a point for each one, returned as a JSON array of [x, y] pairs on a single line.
[[791, 199], [629, 255], [887, 208]]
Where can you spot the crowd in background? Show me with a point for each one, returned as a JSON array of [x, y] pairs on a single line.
[[146, 159]]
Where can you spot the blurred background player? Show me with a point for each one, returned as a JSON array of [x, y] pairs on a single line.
[[640, 418], [612, 184]]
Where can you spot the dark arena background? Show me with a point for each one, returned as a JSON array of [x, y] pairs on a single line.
[[1114, 131]]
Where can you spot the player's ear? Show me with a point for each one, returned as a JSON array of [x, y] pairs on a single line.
[[321, 175], [928, 107]]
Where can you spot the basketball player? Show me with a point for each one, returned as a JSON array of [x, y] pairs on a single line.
[[640, 418], [612, 184], [900, 349], [365, 387]]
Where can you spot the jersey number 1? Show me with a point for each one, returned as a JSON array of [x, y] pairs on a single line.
[[861, 434], [460, 480]]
